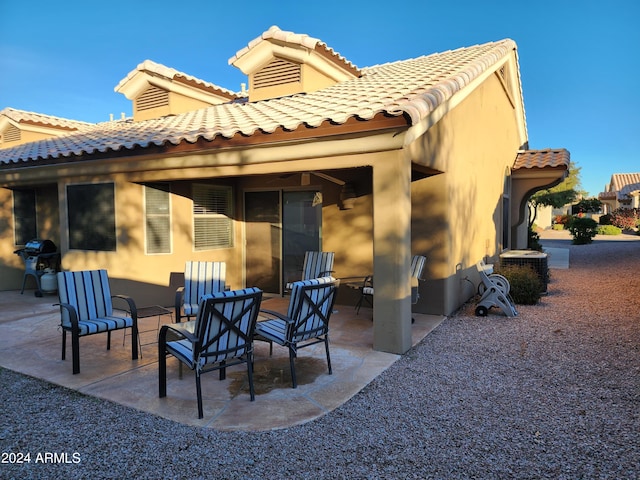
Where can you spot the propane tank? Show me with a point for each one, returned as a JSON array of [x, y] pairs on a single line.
[[49, 281]]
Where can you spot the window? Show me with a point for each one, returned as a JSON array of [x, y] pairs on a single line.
[[24, 216], [212, 222], [92, 218], [157, 217]]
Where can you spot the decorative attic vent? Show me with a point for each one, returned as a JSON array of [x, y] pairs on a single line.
[[152, 97], [277, 72], [504, 76], [12, 134]]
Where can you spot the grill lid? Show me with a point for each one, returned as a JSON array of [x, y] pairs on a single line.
[[36, 246]]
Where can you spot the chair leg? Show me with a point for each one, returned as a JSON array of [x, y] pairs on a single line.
[[64, 344], [75, 352], [199, 394], [326, 346], [250, 374], [135, 342], [108, 339], [162, 368], [292, 366], [223, 371]]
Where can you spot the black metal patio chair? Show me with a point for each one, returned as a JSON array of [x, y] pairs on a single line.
[[306, 322], [221, 336]]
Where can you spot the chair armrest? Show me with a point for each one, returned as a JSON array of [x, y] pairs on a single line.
[[178, 303], [279, 315], [73, 315], [133, 310], [179, 330]]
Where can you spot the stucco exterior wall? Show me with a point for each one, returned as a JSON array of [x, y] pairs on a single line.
[[457, 215]]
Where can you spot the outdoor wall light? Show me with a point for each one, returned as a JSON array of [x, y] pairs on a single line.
[[347, 196]]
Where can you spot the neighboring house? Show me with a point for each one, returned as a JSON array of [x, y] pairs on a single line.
[[423, 156], [623, 191]]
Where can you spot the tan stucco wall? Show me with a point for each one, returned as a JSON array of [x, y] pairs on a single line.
[[153, 277], [455, 214]]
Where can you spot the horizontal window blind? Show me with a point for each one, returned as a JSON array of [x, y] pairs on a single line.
[[157, 217], [212, 216]]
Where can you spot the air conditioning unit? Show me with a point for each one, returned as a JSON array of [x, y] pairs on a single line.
[[533, 258]]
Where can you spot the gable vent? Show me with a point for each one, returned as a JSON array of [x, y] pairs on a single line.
[[12, 134], [278, 72], [152, 97]]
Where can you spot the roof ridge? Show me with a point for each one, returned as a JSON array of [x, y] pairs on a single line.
[[170, 73], [433, 54], [276, 33], [18, 115]]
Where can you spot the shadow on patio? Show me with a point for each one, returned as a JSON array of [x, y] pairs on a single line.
[[30, 343]]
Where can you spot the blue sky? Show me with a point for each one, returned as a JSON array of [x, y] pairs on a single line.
[[579, 60]]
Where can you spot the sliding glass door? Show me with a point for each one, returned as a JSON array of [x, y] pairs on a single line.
[[280, 226]]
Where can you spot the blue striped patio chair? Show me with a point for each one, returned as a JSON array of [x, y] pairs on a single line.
[[306, 322], [221, 336], [200, 278], [316, 265], [86, 308], [418, 263]]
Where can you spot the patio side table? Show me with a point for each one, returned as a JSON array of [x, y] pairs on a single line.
[[147, 312]]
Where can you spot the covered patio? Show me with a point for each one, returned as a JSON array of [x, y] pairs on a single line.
[[30, 343]]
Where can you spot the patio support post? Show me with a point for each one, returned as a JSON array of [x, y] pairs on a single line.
[[392, 254]]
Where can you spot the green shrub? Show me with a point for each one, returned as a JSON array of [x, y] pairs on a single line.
[[526, 285], [583, 230], [533, 240], [558, 226], [609, 230]]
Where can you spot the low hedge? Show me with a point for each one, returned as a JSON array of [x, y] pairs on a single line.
[[609, 230], [526, 285]]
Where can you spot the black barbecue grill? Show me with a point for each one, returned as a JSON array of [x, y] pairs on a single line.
[[38, 256]]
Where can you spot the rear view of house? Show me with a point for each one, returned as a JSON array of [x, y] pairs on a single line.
[[426, 156]]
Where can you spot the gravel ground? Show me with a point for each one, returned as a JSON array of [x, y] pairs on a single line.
[[553, 393]]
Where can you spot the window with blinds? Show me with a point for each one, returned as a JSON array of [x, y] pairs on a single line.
[[92, 217], [212, 216], [157, 210], [24, 216]]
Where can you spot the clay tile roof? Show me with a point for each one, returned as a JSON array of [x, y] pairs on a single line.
[[173, 74], [542, 158], [22, 116], [621, 186], [304, 40], [411, 88]]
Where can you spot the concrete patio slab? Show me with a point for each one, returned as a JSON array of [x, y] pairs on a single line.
[[30, 343]]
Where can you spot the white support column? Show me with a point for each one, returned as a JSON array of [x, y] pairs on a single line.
[[392, 254]]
